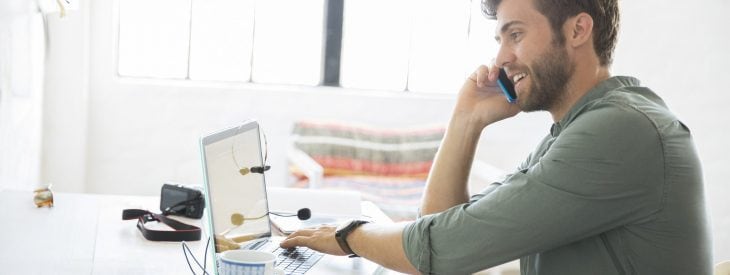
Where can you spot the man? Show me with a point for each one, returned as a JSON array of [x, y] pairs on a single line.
[[614, 188]]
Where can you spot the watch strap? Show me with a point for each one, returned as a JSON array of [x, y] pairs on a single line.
[[181, 232], [341, 236]]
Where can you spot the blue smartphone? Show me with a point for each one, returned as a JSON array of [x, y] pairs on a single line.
[[507, 87]]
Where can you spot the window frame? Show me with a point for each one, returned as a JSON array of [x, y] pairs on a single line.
[[330, 66]]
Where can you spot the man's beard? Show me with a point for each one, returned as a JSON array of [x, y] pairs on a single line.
[[551, 72]]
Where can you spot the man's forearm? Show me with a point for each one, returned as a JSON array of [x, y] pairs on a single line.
[[382, 244], [447, 183]]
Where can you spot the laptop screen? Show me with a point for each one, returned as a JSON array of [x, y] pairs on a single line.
[[237, 205]]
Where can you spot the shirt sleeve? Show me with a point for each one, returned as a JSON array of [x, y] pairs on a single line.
[[602, 172], [493, 186]]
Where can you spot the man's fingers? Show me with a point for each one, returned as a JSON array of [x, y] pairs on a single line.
[[493, 73], [294, 242], [482, 75], [485, 74], [301, 232]]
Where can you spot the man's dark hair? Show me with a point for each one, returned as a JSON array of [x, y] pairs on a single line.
[[605, 16]]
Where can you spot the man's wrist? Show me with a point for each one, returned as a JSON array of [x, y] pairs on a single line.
[[345, 231], [466, 125]]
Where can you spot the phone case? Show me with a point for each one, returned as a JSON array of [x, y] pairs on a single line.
[[507, 87]]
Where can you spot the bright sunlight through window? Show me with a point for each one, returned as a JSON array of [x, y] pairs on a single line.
[[395, 45]]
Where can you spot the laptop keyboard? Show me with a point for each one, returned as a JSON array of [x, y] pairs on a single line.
[[296, 261], [293, 261]]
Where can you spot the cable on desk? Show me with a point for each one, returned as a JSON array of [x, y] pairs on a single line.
[[187, 250]]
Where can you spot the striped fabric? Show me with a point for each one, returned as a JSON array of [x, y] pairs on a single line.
[[388, 166]]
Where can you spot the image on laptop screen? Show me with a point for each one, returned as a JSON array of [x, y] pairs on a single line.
[[231, 194]]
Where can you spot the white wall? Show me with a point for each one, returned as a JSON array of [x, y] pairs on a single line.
[[142, 132], [21, 94], [66, 100]]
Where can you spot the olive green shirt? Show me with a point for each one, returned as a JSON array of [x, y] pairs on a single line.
[[615, 188]]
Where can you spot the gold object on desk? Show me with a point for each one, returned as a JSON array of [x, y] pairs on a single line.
[[43, 197]]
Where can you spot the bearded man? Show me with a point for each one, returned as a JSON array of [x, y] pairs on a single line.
[[615, 187]]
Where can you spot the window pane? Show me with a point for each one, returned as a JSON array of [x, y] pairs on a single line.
[[221, 40], [375, 44], [288, 41], [438, 45], [153, 38], [482, 47]]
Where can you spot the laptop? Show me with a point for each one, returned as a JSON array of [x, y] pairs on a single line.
[[237, 204]]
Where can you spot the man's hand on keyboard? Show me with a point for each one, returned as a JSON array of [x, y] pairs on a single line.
[[321, 239]]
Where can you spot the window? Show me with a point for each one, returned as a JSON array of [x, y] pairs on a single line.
[[399, 45], [221, 40], [376, 44], [288, 41], [151, 46]]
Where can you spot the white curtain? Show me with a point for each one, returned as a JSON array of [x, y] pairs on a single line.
[[22, 52]]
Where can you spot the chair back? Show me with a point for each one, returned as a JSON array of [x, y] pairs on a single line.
[[389, 166]]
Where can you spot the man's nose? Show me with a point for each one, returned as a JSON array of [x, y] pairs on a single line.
[[505, 56]]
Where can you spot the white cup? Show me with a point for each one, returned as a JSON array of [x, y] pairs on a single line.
[[248, 262]]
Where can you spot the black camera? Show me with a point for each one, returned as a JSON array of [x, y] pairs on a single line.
[[179, 200]]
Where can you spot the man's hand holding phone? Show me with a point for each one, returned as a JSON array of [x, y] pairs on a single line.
[[481, 98]]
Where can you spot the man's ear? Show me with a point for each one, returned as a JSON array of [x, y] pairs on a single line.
[[579, 29]]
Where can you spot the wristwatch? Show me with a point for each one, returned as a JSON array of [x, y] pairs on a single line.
[[343, 231]]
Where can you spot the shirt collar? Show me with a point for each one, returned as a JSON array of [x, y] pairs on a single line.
[[596, 92]]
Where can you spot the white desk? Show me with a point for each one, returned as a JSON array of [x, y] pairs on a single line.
[[85, 234]]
